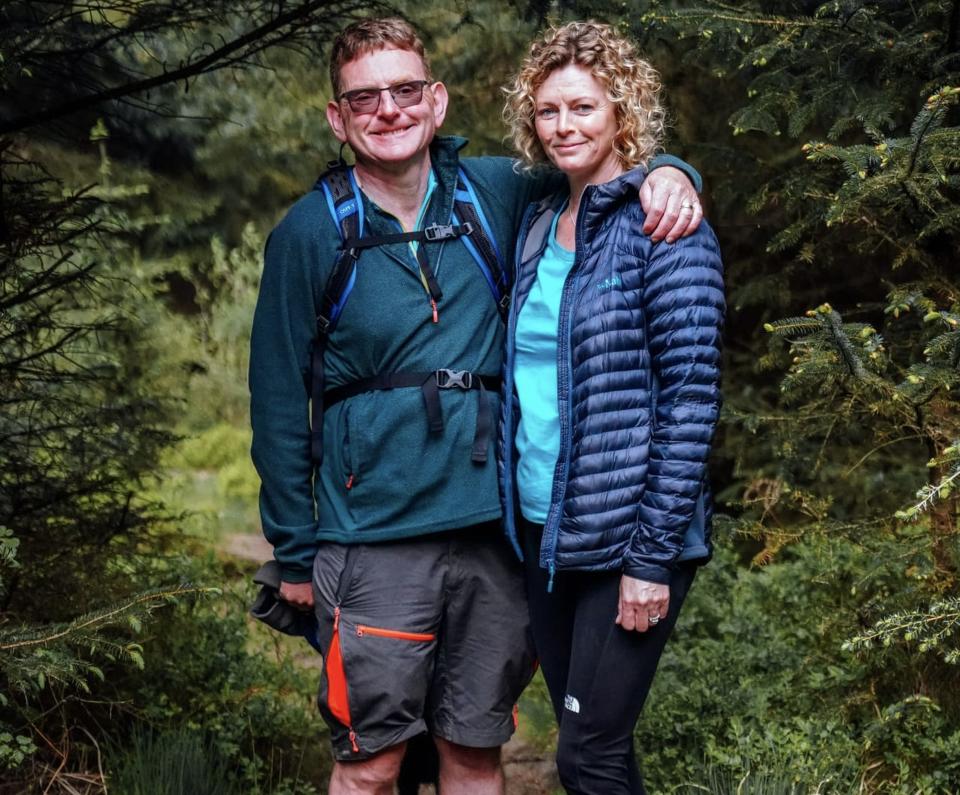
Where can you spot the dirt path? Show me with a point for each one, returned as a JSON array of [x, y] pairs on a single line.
[[247, 546]]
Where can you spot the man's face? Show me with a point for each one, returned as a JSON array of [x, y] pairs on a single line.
[[390, 136]]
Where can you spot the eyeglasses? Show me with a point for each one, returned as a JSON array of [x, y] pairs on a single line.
[[367, 100]]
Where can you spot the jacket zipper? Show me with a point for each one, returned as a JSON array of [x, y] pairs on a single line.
[[551, 532]]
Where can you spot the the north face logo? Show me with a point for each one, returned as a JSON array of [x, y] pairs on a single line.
[[570, 703]]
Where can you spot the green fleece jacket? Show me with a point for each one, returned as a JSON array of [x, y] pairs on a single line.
[[383, 476]]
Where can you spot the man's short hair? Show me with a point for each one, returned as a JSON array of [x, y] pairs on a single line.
[[370, 35]]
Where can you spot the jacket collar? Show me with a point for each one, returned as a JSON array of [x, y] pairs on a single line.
[[599, 200], [445, 158], [607, 193]]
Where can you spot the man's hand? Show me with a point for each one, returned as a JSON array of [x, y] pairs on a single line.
[[642, 604], [671, 204], [299, 594]]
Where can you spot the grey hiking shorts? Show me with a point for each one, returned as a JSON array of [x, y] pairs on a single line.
[[423, 634]]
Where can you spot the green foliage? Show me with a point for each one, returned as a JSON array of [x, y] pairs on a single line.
[[15, 749], [789, 708], [34, 657], [93, 388], [211, 672], [173, 763], [826, 666]]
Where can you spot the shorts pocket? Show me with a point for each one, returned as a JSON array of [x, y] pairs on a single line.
[[396, 634], [377, 679]]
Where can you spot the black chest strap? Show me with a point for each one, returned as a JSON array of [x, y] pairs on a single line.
[[430, 384]]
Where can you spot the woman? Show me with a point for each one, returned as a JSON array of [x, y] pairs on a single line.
[[612, 367]]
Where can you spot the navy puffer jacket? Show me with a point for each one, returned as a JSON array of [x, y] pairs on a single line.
[[638, 389]]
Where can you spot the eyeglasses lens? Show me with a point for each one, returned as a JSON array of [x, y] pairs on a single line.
[[367, 100]]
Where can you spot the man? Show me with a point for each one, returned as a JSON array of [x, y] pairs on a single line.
[[393, 538]]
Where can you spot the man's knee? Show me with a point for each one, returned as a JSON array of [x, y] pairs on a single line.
[[365, 776], [477, 761]]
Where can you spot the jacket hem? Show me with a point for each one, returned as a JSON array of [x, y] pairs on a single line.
[[658, 574], [696, 552], [396, 533]]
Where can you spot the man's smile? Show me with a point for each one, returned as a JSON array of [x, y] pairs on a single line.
[[389, 133]]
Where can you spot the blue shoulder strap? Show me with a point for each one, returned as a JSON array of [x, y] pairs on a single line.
[[346, 207], [481, 243]]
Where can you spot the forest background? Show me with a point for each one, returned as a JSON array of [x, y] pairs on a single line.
[[146, 149]]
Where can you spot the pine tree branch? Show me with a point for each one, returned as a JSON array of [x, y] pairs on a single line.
[[900, 624], [103, 618], [850, 358], [915, 152], [218, 58], [878, 448], [775, 22]]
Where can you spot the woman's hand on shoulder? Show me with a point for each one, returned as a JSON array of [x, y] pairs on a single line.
[[671, 203], [642, 604]]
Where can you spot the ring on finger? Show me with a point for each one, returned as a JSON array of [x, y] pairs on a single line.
[[654, 619]]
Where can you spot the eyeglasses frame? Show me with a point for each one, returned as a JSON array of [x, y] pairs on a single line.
[[421, 84]]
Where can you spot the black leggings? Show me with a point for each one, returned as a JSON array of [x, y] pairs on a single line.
[[598, 674]]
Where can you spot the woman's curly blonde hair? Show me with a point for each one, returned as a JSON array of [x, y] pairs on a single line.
[[631, 83]]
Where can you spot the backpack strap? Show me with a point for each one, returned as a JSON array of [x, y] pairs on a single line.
[[535, 229], [346, 208], [481, 243]]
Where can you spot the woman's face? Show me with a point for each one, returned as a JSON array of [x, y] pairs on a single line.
[[577, 125]]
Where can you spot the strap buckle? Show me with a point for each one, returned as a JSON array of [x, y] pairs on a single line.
[[448, 379], [436, 232]]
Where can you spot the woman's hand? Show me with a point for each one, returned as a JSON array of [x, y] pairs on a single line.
[[642, 604]]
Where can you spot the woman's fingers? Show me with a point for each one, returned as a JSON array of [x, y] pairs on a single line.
[[642, 604]]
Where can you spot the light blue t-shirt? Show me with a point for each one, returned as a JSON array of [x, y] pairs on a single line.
[[535, 371]]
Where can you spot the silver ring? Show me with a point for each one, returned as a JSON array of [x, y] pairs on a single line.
[[687, 206], [653, 619]]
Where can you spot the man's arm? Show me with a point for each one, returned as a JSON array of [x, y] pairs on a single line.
[[669, 197], [283, 329]]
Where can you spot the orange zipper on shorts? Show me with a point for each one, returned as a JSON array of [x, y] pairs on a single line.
[[396, 634], [337, 698]]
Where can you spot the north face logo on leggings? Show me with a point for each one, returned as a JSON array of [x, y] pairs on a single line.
[[570, 703]]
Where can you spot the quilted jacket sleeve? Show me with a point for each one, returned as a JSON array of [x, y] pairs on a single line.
[[683, 306]]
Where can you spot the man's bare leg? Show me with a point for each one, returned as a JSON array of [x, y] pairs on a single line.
[[374, 776], [469, 771]]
